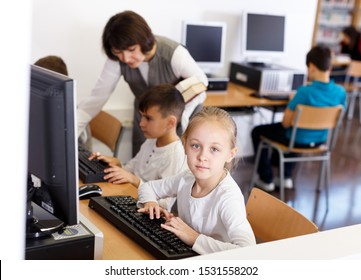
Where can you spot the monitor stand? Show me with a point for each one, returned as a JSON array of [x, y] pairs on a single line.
[[40, 222]]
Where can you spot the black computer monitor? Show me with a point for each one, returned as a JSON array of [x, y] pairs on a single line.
[[262, 36], [52, 146], [205, 41]]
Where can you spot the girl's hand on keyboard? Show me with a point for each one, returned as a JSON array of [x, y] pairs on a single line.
[[183, 231], [152, 208]]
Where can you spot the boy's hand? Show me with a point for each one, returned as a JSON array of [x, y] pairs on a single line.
[[118, 175], [108, 159]]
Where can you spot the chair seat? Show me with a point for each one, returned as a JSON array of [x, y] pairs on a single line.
[[316, 150]]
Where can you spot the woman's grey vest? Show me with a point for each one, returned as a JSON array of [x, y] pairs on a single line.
[[160, 71]]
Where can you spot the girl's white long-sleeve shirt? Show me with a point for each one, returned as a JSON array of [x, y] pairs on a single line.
[[219, 217]]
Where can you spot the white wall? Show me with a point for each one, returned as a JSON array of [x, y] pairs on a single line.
[[15, 30], [73, 29]]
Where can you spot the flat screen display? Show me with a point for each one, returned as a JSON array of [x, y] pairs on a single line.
[[265, 32], [205, 41]]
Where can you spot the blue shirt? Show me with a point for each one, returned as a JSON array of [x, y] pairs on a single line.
[[317, 94]]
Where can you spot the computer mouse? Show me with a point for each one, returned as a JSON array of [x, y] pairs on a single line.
[[88, 191]]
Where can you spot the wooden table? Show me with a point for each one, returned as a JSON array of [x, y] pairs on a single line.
[[238, 97]]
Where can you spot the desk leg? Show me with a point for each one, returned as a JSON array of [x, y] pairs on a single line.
[[273, 109]]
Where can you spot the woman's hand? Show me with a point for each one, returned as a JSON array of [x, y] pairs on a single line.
[[183, 231]]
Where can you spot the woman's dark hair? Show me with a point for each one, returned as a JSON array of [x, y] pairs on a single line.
[[126, 29], [321, 57], [352, 33]]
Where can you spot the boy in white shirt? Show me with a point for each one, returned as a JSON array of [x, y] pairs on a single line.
[[162, 154]]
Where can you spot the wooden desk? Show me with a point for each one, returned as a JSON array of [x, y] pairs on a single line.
[[238, 97], [341, 60], [325, 245], [116, 246]]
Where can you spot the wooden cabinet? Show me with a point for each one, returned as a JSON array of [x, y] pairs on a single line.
[[331, 17]]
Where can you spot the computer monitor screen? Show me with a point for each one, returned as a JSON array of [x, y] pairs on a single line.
[[205, 41], [263, 36], [52, 145]]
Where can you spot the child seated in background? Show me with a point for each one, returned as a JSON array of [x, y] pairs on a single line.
[[212, 215], [320, 92], [57, 64], [162, 154], [54, 63]]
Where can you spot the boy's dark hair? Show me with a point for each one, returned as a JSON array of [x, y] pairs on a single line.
[[126, 29], [321, 57], [169, 100], [54, 63]]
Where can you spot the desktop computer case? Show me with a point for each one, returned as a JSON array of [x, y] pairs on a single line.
[[87, 246], [45, 248], [266, 78]]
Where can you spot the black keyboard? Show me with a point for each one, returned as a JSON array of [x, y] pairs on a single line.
[[90, 171], [121, 211], [272, 96]]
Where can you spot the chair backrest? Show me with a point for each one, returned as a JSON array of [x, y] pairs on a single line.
[[272, 219], [317, 118], [107, 129], [353, 72], [354, 69]]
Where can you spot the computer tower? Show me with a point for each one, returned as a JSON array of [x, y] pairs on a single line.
[[80, 242], [266, 78]]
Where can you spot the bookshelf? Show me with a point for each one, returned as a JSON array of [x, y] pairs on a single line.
[[357, 18], [331, 17]]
